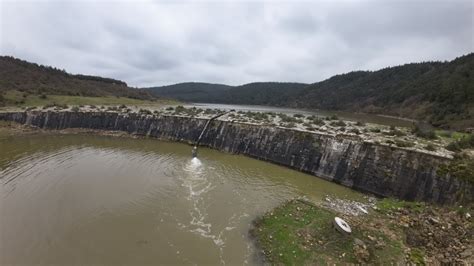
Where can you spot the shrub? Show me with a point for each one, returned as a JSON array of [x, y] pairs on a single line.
[[355, 131], [210, 111], [258, 116], [461, 168], [445, 134], [287, 119], [401, 143], [319, 122], [49, 105], [338, 123], [395, 132], [145, 111], [463, 143], [375, 130], [398, 133], [289, 125], [180, 109], [423, 131], [169, 108], [430, 147], [75, 109], [298, 115], [58, 106], [43, 96], [360, 124]]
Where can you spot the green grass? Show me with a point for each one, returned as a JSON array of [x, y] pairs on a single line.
[[18, 99], [461, 168], [417, 257], [298, 233], [390, 204], [451, 135]]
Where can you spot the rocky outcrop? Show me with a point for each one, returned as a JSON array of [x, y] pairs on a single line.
[[369, 167]]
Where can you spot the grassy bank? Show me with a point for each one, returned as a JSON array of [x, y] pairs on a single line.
[[301, 233], [298, 233], [14, 99]]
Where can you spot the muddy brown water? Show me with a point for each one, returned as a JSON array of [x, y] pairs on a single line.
[[93, 199]]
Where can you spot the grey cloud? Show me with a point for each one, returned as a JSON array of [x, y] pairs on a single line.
[[148, 43]]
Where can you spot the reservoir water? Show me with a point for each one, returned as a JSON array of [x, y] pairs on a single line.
[[86, 199], [352, 116]]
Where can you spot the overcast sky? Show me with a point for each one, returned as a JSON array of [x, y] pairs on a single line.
[[148, 43]]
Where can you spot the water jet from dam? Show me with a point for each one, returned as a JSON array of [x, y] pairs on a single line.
[[194, 150]]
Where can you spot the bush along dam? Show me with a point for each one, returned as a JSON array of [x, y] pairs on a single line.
[[346, 159]]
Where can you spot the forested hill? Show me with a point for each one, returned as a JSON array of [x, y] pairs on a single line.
[[266, 93], [192, 91], [441, 93], [19, 75]]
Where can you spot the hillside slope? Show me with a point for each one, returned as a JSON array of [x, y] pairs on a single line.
[[19, 75], [441, 93]]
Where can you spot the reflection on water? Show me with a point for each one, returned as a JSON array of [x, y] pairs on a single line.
[[91, 199]]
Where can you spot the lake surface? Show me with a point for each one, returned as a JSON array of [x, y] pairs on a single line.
[[366, 118], [93, 199]]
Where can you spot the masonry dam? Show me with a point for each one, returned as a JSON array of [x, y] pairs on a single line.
[[369, 167]]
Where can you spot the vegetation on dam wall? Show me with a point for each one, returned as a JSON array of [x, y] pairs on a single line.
[[379, 169]]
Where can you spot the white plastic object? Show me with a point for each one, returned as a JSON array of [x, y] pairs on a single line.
[[342, 226]]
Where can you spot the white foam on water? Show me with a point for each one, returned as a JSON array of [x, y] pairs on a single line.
[[195, 161], [197, 184]]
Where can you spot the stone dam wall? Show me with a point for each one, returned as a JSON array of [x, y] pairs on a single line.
[[374, 168]]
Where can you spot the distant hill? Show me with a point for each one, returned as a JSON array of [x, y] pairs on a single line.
[[192, 91], [19, 75], [264, 93], [441, 93]]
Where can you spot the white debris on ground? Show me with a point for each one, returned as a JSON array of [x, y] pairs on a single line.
[[349, 207], [331, 125]]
